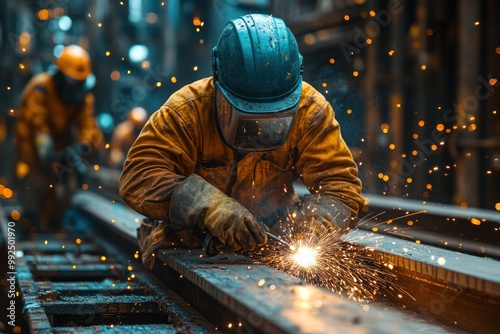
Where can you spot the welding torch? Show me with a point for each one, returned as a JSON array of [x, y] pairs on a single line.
[[278, 239]]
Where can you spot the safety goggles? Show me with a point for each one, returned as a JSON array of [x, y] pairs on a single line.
[[252, 131]]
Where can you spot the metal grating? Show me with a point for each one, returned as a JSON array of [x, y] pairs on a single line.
[[70, 290]]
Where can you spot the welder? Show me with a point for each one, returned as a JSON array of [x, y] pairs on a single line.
[[56, 135], [222, 154], [125, 134]]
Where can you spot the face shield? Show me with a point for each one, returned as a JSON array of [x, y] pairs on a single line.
[[72, 91], [249, 128]]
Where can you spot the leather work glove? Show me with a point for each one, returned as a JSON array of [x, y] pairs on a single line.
[[196, 203], [46, 152], [322, 214], [280, 221]]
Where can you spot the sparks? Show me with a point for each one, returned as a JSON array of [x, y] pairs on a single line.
[[305, 256], [340, 265]]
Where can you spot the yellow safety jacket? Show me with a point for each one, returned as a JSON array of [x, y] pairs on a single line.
[[181, 138]]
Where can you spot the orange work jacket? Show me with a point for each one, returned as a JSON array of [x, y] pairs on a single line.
[[41, 111], [181, 138]]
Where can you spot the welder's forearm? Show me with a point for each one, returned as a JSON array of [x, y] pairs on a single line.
[[148, 190]]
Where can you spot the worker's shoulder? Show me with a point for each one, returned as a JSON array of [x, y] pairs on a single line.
[[44, 78], [38, 86], [191, 101], [196, 92], [311, 95]]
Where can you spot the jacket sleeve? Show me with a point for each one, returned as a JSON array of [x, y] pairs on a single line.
[[32, 121], [34, 106], [325, 163], [158, 161]]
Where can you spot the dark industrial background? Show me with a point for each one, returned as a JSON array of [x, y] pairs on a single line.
[[414, 83]]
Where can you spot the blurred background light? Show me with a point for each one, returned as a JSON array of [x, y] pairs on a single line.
[[106, 122], [65, 23], [135, 11], [138, 53], [58, 49]]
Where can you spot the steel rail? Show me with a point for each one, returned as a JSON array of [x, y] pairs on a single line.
[[84, 283], [445, 291], [226, 289]]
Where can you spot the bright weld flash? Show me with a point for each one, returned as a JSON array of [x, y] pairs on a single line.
[[305, 257]]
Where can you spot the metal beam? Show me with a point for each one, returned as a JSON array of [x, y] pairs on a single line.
[[258, 299], [239, 295], [468, 53]]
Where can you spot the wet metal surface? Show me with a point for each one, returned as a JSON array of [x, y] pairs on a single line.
[[473, 272], [122, 219]]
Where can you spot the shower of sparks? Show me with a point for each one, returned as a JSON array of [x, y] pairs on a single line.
[[339, 265], [406, 215]]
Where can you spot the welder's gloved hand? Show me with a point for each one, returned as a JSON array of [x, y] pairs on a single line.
[[322, 214], [46, 152], [280, 221], [196, 203]]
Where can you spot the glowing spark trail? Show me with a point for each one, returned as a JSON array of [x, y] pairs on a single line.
[[388, 221], [327, 261], [337, 264]]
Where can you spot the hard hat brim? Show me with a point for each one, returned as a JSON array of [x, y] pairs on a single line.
[[264, 106]]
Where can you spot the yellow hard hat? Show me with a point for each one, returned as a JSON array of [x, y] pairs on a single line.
[[74, 62]]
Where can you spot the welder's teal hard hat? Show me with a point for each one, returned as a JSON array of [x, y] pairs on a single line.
[[257, 71]]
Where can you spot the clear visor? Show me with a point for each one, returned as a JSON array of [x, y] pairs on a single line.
[[252, 131]]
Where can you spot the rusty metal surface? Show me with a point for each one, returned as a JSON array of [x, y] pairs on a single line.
[[282, 304], [56, 245], [119, 329], [460, 289], [106, 286], [238, 295], [81, 293]]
